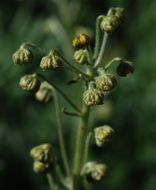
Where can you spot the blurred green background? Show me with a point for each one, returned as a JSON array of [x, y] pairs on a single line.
[[130, 110]]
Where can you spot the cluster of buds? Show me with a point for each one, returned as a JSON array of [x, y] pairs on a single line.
[[43, 158], [51, 61], [111, 21], [30, 83], [45, 92], [103, 134], [81, 42], [94, 171]]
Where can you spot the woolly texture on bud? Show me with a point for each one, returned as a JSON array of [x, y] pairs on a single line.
[[81, 41], [22, 56], [106, 82], [80, 56], [45, 92], [30, 83], [94, 171], [40, 167], [124, 68], [103, 134], [51, 61], [109, 23], [118, 12], [93, 96], [42, 153]]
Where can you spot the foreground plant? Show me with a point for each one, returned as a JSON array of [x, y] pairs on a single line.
[[97, 82]]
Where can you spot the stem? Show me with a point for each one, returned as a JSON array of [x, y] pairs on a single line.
[[60, 91], [112, 61], [87, 144], [97, 39], [78, 71], [102, 50], [80, 147], [60, 134], [52, 186]]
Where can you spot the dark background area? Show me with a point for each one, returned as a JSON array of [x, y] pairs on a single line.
[[130, 109]]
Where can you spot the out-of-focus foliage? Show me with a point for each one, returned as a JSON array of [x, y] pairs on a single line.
[[130, 110]]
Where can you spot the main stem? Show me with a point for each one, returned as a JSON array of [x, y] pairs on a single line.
[[60, 134], [80, 147]]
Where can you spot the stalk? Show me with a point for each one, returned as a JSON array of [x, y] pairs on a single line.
[[60, 134], [82, 128]]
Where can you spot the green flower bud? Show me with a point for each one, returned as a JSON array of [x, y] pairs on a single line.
[[22, 56], [110, 23], [93, 96], [42, 153], [30, 83], [103, 134], [51, 61], [124, 68], [94, 171], [40, 167], [80, 56], [81, 41], [106, 82], [118, 12], [45, 92]]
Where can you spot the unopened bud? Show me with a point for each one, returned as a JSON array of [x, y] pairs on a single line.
[[103, 134], [124, 68], [106, 82], [110, 23], [51, 61], [93, 96], [45, 92], [118, 12], [22, 56], [30, 83], [81, 41], [42, 153], [94, 171], [80, 56], [40, 167]]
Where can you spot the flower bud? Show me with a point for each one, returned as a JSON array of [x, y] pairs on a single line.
[[40, 167], [80, 56], [81, 41], [103, 134], [51, 61], [124, 68], [110, 23], [30, 83], [45, 92], [106, 82], [94, 171], [93, 96], [42, 153], [118, 12], [22, 56]]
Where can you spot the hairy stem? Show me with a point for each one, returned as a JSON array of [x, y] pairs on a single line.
[[80, 147], [60, 134], [102, 50], [86, 148]]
